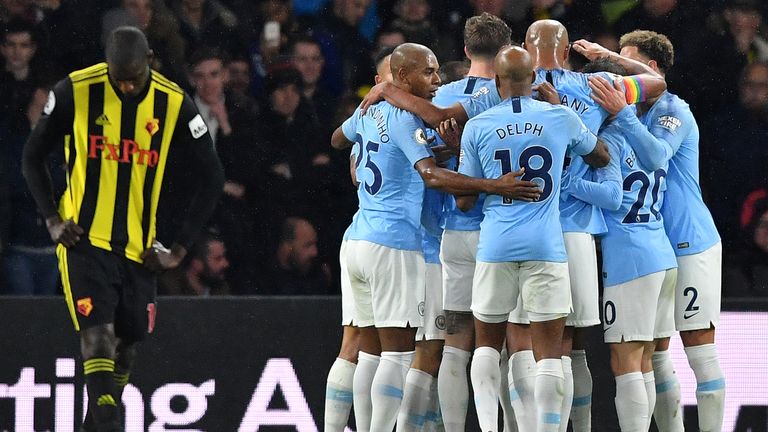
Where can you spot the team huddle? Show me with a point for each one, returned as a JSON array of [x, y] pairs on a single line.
[[474, 244]]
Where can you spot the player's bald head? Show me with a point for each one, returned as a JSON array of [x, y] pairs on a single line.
[[408, 56], [513, 65], [546, 34], [127, 50]]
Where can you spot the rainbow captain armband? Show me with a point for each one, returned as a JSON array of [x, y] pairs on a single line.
[[634, 90]]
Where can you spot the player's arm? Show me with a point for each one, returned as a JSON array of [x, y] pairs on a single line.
[[457, 184], [583, 142], [643, 83], [54, 124], [423, 108], [339, 141], [353, 155], [605, 191], [191, 133], [653, 147], [599, 156]]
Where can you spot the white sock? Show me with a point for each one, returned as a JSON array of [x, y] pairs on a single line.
[[549, 394], [452, 388], [338, 395], [486, 380], [650, 391], [434, 421], [387, 389], [710, 386], [565, 411], [413, 411], [510, 424], [581, 410], [522, 384], [361, 389], [632, 402], [668, 412]]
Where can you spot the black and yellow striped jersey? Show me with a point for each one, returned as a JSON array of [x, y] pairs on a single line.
[[116, 150]]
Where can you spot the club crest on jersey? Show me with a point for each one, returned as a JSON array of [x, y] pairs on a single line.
[[84, 306], [420, 136], [670, 123], [152, 126]]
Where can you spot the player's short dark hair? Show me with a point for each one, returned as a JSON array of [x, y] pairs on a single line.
[[206, 53], [604, 65], [303, 38], [576, 60], [453, 71], [485, 34], [655, 46], [19, 26], [381, 55]]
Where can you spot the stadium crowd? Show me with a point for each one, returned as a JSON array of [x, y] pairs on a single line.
[[274, 78]]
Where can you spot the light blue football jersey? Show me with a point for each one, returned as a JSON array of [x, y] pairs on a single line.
[[523, 132], [573, 87], [635, 244], [432, 221], [353, 153], [669, 131], [447, 95], [391, 192]]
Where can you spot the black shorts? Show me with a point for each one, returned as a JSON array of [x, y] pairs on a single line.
[[101, 288]]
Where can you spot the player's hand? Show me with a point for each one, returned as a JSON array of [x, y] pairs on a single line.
[[547, 93], [443, 154], [591, 50], [450, 131], [65, 232], [158, 258], [512, 187], [609, 96], [375, 95], [234, 189]]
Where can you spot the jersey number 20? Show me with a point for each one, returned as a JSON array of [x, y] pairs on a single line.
[[634, 215]]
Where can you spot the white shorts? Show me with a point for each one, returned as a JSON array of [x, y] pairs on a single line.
[[347, 300], [697, 292], [431, 308], [457, 253], [582, 268], [385, 284], [641, 309], [542, 286], [519, 315]]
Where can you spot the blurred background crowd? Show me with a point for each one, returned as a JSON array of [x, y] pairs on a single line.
[[274, 78]]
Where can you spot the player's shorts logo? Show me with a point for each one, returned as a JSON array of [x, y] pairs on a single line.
[[421, 308], [440, 322], [85, 306]]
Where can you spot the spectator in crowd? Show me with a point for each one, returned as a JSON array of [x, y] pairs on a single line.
[[231, 120], [239, 76], [29, 258], [307, 58], [295, 270], [207, 23], [346, 50], [737, 138], [389, 38], [747, 273], [18, 10], [414, 23], [202, 274], [453, 71], [161, 28]]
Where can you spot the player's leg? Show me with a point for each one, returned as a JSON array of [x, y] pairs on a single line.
[[667, 413], [697, 313], [495, 290], [358, 259], [582, 266], [630, 322], [457, 255], [649, 379], [92, 300], [338, 386], [546, 295], [521, 377], [510, 422], [397, 278], [429, 348]]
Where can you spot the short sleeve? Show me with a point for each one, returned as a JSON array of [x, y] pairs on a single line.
[[349, 127], [469, 159], [583, 141], [672, 125], [409, 135]]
